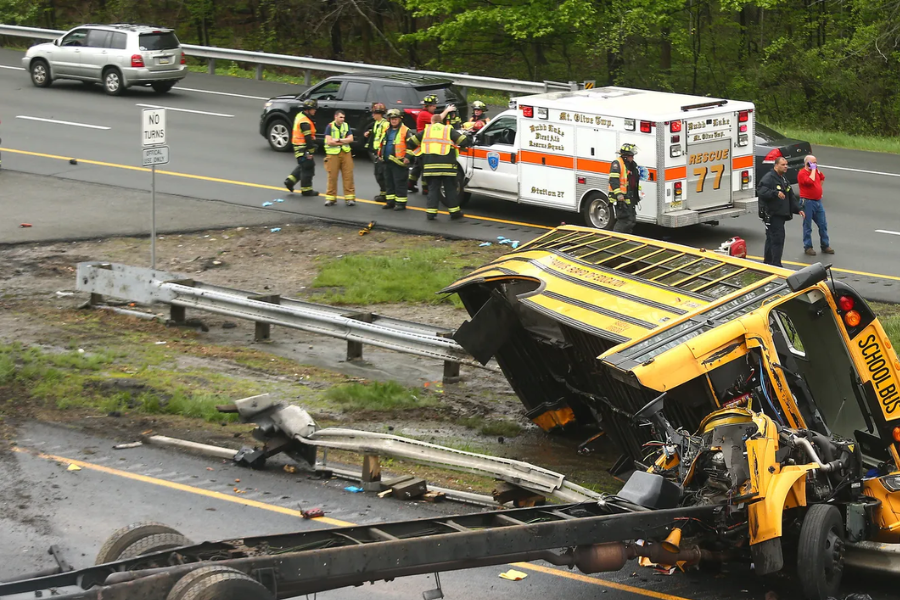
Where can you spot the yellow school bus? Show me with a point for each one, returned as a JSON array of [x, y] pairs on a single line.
[[772, 392]]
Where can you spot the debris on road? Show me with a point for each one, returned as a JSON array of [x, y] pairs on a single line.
[[290, 469], [275, 230], [24, 224], [126, 446], [73, 161], [353, 489], [367, 228], [513, 575], [312, 513], [73, 468], [267, 203]]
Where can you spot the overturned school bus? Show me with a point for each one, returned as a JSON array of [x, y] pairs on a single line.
[[772, 393]]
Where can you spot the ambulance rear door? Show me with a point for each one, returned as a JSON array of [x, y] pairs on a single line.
[[709, 161], [546, 157]]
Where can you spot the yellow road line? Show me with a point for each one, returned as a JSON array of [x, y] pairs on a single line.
[[272, 187], [295, 513], [178, 486]]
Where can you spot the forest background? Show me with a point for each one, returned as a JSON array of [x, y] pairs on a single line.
[[813, 64]]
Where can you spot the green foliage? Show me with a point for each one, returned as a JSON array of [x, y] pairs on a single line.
[[412, 275], [377, 396], [507, 429]]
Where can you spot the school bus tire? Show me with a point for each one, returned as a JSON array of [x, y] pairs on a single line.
[[820, 552], [597, 212]]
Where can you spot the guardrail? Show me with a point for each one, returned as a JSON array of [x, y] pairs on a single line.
[[309, 64], [149, 286]]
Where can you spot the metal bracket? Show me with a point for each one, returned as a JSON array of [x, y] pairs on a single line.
[[437, 593]]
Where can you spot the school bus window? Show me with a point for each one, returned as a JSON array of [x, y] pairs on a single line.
[[593, 247], [662, 256], [745, 278], [566, 239], [688, 270], [718, 290], [642, 252], [606, 259], [545, 241], [789, 332], [707, 278]]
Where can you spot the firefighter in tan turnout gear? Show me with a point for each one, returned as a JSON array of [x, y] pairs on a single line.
[[304, 141], [395, 150], [437, 149]]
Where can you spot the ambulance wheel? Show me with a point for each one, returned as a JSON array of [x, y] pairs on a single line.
[[598, 212], [820, 553], [462, 195]]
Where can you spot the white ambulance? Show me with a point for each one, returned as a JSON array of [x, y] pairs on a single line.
[[555, 150]]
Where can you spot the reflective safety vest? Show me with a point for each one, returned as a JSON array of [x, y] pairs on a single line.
[[618, 184], [298, 138], [379, 128], [436, 140], [341, 133], [399, 144]]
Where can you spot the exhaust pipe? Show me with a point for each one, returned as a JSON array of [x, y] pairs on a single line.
[[600, 558]]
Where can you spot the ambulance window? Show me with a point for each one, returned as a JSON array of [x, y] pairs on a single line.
[[499, 131]]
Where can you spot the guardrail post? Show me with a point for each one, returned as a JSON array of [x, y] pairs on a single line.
[[451, 368], [178, 314], [264, 330], [307, 77], [259, 71], [211, 66], [355, 349], [371, 473]]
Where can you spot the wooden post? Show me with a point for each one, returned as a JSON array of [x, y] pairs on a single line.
[[371, 473], [263, 331], [355, 349]]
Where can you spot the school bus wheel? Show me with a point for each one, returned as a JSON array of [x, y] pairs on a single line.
[[597, 211], [820, 552]]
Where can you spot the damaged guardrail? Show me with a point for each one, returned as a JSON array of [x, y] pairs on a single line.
[[289, 428], [148, 286]]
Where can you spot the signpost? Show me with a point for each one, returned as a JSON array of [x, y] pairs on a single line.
[[155, 152]]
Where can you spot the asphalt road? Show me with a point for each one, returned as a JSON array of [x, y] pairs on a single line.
[[217, 154], [43, 503]]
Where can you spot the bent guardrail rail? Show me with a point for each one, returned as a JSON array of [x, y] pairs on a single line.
[[318, 64], [148, 286]]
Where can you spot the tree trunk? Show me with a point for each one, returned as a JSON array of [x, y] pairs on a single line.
[[665, 51], [614, 65], [337, 46]]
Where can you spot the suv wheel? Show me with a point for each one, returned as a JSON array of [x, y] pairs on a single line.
[[40, 73], [112, 82], [279, 135], [162, 87]]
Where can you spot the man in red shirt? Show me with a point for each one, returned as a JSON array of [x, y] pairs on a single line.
[[810, 180]]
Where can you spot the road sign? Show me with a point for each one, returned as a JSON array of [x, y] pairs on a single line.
[[589, 84], [153, 127], [158, 155]]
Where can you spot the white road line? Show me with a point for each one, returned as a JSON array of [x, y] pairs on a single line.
[[184, 89], [196, 112], [887, 232], [861, 171], [22, 69], [62, 122]]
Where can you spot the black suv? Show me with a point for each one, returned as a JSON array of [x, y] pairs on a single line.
[[354, 93]]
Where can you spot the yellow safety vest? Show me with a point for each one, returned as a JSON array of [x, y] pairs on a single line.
[[341, 133], [379, 128], [436, 140]]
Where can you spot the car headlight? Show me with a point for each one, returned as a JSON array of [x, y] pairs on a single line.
[[891, 482]]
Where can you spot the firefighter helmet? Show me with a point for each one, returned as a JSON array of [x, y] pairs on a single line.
[[429, 99], [479, 105], [378, 107], [628, 150], [394, 113], [311, 103]]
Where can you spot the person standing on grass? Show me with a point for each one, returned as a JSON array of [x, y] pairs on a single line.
[[810, 180]]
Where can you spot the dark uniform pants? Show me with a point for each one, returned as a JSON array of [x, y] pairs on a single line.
[[379, 173], [626, 217], [435, 183], [306, 168], [395, 178], [774, 240], [415, 171]]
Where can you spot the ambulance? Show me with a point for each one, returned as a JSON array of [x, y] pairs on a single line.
[[555, 150]]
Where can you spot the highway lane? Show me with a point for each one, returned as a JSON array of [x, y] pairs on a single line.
[[226, 159], [44, 503]]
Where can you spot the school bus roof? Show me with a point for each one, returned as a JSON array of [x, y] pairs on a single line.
[[633, 103], [625, 288]]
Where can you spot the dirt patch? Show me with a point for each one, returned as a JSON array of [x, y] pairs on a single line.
[[40, 306]]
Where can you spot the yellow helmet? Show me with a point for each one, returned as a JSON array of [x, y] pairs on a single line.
[[628, 150], [394, 112]]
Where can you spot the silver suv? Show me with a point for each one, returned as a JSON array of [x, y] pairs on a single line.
[[118, 56]]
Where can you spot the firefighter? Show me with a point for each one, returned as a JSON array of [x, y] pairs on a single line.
[[373, 142], [395, 151], [304, 141], [437, 145], [624, 185], [423, 119], [479, 115], [339, 160]]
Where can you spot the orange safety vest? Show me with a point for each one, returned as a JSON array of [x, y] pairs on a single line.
[[298, 139], [432, 144], [623, 185], [399, 142]]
